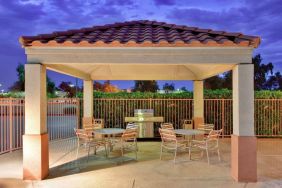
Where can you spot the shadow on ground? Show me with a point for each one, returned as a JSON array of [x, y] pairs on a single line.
[[85, 164]]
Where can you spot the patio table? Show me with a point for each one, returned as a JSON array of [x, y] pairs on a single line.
[[189, 132], [109, 132]]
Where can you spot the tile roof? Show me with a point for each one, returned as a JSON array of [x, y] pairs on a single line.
[[142, 33]]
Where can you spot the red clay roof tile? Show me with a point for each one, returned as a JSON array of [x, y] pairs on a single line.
[[141, 33]]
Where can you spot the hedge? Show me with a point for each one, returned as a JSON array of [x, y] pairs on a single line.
[[208, 94]]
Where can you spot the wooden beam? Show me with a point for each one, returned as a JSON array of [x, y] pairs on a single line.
[[68, 71]]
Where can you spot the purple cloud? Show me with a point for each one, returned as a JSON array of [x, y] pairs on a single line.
[[164, 2], [119, 2], [262, 18]]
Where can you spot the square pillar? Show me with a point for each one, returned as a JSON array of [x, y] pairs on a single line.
[[243, 140], [35, 139], [87, 98], [198, 97]]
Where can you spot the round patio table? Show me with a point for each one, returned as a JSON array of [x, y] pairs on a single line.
[[109, 131], [189, 132]]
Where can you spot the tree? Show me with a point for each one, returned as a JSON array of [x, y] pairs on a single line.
[[146, 86], [19, 84], [264, 79], [109, 88], [97, 86], [261, 71], [168, 87], [51, 87], [214, 82], [68, 87], [183, 89], [105, 87], [275, 81], [227, 80]]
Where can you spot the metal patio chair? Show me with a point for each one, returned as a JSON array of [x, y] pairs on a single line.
[[86, 138], [210, 143], [167, 126], [131, 125], [206, 127], [128, 140], [117, 137], [170, 142]]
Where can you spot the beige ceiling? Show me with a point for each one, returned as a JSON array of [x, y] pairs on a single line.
[[141, 71]]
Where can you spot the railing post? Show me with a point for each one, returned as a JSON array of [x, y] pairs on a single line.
[[223, 116], [77, 113], [11, 124]]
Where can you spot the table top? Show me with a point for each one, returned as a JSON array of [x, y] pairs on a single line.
[[107, 131], [144, 119], [189, 132]]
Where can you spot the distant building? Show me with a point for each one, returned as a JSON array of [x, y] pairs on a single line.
[[162, 91], [61, 94], [128, 90]]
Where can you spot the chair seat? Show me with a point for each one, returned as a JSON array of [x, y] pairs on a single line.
[[171, 145], [181, 140], [203, 144], [198, 144]]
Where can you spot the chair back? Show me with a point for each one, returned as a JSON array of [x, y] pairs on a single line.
[[167, 135], [213, 138], [98, 124], [206, 127], [167, 126], [214, 134], [187, 124], [82, 135], [131, 126], [130, 134]]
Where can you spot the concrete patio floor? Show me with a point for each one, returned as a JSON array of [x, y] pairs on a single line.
[[148, 171]]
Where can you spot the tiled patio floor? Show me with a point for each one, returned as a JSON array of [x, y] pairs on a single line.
[[148, 171]]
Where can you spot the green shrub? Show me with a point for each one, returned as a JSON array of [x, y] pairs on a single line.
[[267, 94], [208, 94], [12, 95]]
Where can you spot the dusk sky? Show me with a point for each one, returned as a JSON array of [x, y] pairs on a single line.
[[31, 17]]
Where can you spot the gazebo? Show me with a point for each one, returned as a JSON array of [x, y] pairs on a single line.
[[140, 50]]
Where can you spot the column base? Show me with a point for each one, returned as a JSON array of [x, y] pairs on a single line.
[[35, 156], [244, 158], [197, 121]]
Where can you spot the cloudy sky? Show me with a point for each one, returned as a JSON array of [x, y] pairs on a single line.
[[31, 17]]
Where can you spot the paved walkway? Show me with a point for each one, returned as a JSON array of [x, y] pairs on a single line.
[[147, 172]]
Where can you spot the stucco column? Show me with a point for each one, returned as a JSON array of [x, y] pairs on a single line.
[[198, 96], [87, 98], [243, 140], [35, 139]]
